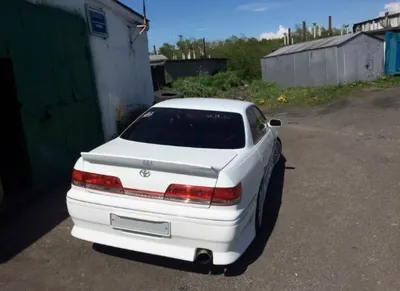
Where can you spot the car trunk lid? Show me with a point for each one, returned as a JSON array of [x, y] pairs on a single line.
[[148, 170]]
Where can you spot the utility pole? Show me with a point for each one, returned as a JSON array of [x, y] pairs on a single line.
[[204, 48], [330, 25], [304, 31], [314, 29]]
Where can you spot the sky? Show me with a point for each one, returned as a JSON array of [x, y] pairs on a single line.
[[219, 19]]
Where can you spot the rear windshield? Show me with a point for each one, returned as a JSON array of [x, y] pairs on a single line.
[[188, 128]]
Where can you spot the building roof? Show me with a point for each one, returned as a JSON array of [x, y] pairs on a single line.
[[213, 104], [394, 15], [315, 44], [130, 10], [157, 60]]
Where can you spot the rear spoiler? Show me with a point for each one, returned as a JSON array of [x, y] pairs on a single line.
[[157, 165]]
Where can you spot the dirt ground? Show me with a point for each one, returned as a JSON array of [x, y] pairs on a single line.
[[334, 226]]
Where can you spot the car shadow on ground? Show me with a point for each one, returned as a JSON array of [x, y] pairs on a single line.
[[22, 226], [255, 250]]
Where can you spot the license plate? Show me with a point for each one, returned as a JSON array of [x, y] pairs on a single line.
[[159, 228]]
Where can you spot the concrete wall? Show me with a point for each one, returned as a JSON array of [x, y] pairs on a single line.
[[360, 59], [190, 68], [122, 70]]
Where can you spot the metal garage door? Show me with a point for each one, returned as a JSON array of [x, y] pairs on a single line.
[[55, 87]]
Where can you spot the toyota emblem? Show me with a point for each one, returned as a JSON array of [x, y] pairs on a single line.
[[145, 173]]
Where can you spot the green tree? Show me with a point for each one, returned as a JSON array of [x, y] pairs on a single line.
[[243, 53], [167, 50]]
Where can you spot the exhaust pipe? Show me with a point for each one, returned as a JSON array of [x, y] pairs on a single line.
[[204, 257]]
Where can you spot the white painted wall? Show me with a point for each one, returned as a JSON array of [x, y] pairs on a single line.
[[122, 70]]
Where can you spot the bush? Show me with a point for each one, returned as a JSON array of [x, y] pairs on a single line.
[[193, 87], [208, 86]]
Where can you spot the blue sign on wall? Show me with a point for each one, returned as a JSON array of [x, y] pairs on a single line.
[[97, 21]]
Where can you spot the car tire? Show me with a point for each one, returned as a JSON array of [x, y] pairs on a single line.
[[259, 217], [277, 150]]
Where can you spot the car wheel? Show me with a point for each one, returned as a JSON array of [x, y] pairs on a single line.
[[277, 150], [259, 219]]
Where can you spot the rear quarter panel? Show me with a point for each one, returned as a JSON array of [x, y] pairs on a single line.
[[250, 173], [246, 168]]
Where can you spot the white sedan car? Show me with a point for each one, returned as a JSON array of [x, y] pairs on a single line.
[[186, 180]]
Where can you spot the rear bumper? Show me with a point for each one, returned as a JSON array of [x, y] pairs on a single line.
[[227, 240]]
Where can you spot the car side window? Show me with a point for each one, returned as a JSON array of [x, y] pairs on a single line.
[[260, 116], [252, 122], [256, 118]]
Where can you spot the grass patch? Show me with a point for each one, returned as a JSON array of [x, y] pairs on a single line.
[[229, 85]]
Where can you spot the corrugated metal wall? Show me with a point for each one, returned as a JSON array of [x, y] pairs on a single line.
[[360, 59], [392, 52]]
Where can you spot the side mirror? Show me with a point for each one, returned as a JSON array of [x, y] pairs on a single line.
[[275, 122]]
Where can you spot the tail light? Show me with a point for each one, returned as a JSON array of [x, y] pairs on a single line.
[[77, 178], [175, 192], [204, 195], [97, 182], [191, 194], [227, 196]]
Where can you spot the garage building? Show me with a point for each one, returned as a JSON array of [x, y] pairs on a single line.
[[328, 61], [69, 70]]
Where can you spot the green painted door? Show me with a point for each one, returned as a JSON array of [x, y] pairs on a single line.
[[50, 53]]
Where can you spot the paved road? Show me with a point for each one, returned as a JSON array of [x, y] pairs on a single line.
[[335, 225]]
